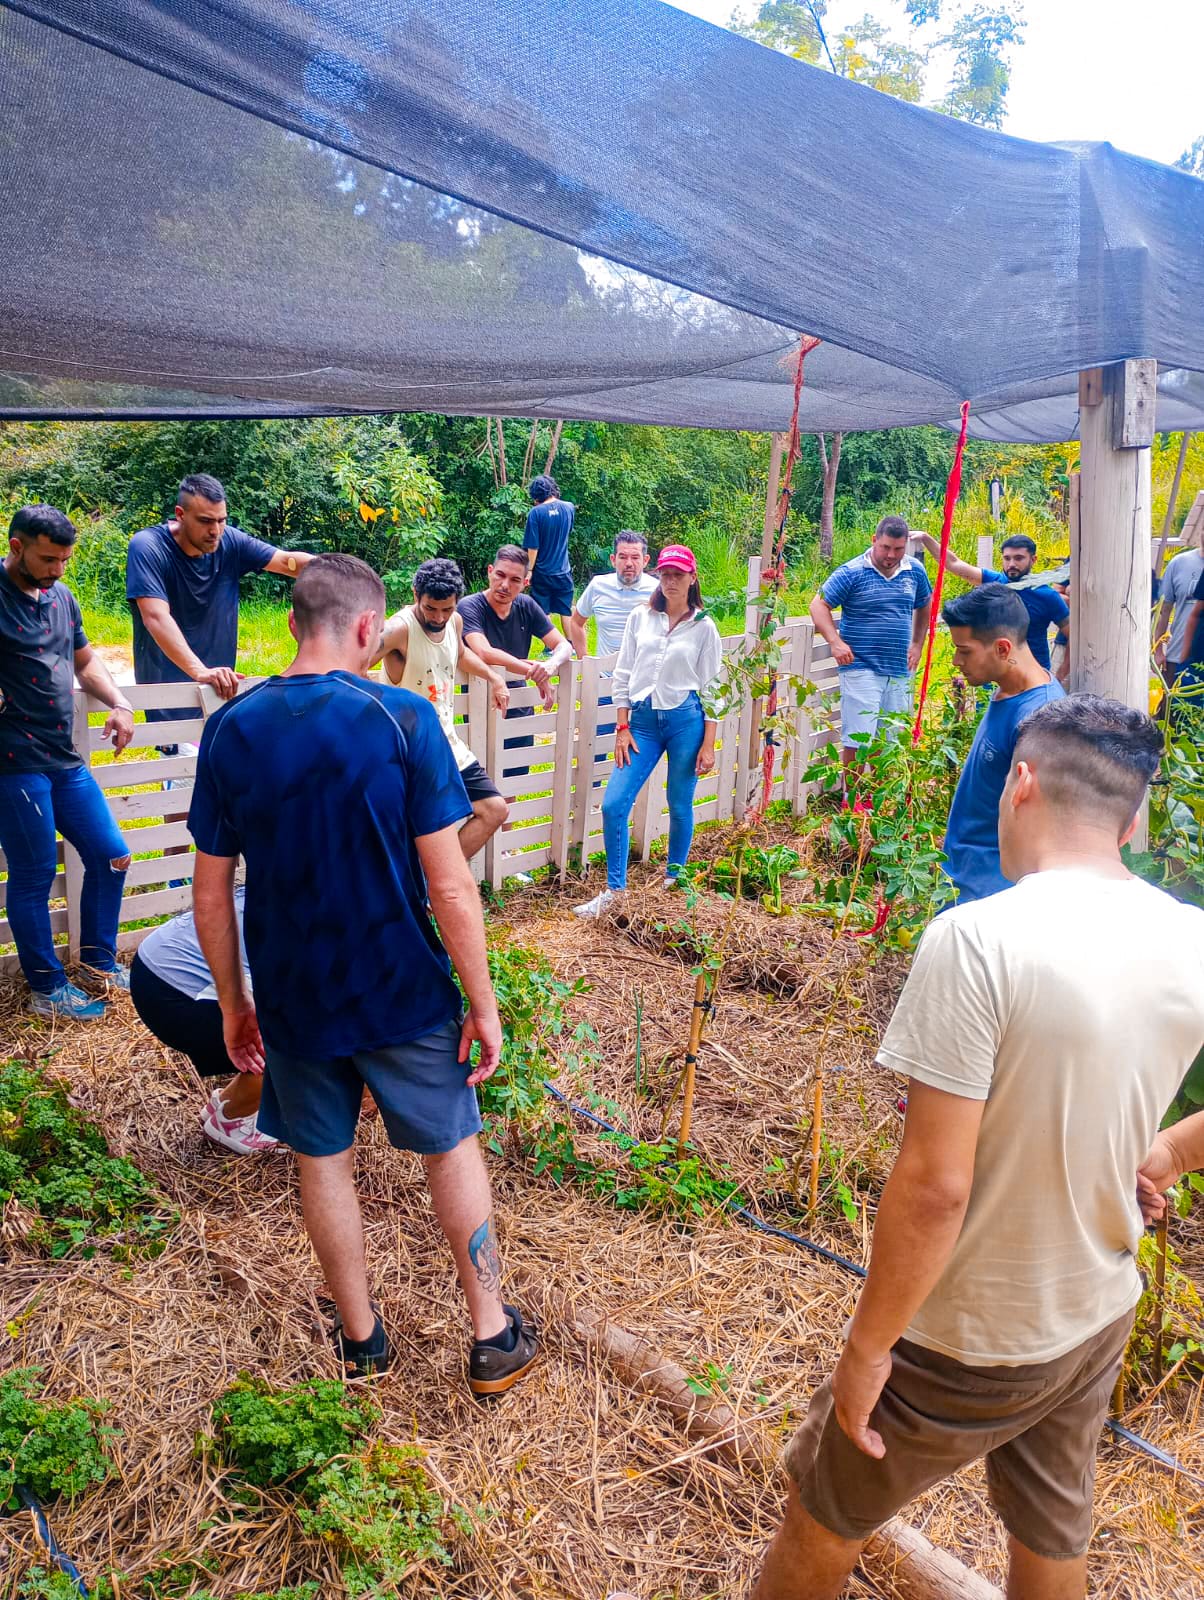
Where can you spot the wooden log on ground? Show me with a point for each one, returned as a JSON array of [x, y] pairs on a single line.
[[898, 1555]]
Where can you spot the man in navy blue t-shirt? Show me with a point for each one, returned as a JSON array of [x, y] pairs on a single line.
[[1045, 606], [343, 797], [181, 580], [989, 627], [546, 541]]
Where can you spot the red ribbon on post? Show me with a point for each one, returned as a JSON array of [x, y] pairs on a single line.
[[952, 490]]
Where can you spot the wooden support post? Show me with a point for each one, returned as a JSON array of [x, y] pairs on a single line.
[[773, 487], [698, 1014], [986, 551], [587, 740], [1110, 581], [563, 771]]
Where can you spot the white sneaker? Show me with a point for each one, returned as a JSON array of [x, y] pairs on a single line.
[[596, 906], [236, 1133], [524, 879]]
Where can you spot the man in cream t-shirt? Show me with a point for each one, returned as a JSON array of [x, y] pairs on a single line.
[[423, 649], [1044, 1031]]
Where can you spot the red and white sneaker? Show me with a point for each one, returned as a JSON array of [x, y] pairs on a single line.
[[236, 1133]]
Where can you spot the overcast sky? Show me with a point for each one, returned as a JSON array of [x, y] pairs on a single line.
[[1127, 72]]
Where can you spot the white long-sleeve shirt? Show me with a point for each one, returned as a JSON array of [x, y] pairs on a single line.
[[664, 665]]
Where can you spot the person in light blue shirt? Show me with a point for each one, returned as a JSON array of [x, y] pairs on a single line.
[[1173, 641], [989, 627], [611, 597], [884, 599]]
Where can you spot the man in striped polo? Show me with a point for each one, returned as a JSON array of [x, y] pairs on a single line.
[[884, 599]]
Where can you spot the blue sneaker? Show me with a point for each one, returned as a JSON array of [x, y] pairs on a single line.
[[67, 1001], [117, 977]]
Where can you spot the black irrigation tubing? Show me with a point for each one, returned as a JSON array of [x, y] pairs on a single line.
[[1126, 1435], [63, 1562]]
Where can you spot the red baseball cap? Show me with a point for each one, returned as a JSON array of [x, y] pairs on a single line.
[[678, 556]]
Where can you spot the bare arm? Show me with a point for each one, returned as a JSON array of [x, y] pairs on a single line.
[[394, 640], [472, 666], [217, 929], [94, 678], [825, 625], [165, 631], [288, 563], [561, 649], [953, 564], [1175, 1151], [577, 634], [456, 904], [920, 1217], [919, 628], [480, 646]]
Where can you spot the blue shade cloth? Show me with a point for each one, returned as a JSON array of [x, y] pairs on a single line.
[[972, 834], [201, 593], [876, 612], [1044, 605], [547, 532], [611, 210], [39, 635], [323, 782]]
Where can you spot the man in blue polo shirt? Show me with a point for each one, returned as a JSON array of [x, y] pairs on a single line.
[[1044, 605], [884, 599], [343, 797], [989, 627]]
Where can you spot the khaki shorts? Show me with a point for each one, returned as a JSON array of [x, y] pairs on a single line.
[[1038, 1427]]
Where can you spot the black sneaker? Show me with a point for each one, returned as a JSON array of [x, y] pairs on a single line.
[[363, 1358], [492, 1371]]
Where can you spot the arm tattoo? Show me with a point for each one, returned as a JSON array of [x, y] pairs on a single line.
[[483, 1253]]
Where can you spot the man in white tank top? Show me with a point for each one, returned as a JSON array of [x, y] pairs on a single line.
[[423, 648]]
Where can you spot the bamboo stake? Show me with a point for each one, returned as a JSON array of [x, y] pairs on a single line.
[[817, 1136], [697, 1018], [1159, 1293]]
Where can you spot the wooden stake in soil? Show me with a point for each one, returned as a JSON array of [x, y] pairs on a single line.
[[697, 1018], [1159, 1293], [817, 1140]]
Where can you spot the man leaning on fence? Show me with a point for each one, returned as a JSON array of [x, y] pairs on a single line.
[[342, 796], [1043, 1032], [44, 784], [884, 599]]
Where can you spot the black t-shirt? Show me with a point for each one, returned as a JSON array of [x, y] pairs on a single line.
[[39, 635], [513, 633]]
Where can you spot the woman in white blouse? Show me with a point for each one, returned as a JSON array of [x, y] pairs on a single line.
[[666, 672]]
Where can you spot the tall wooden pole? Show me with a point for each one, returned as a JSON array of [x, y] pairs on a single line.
[[1110, 582], [1168, 521], [777, 444]]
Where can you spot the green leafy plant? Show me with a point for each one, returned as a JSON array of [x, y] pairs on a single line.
[[42, 1583], [50, 1447], [711, 1380], [272, 1437], [657, 1179], [1182, 1318], [380, 1512], [56, 1163]]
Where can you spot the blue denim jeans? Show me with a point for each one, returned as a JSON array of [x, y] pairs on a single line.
[[678, 735], [33, 806]]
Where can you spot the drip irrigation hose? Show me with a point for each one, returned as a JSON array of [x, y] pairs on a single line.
[[63, 1562], [1126, 1435]]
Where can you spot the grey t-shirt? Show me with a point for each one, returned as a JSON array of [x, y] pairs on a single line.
[[1183, 573], [173, 952]]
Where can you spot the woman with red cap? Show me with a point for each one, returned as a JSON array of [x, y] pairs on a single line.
[[666, 673]]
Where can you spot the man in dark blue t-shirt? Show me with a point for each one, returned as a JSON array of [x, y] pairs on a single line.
[[343, 797], [181, 580], [989, 627], [546, 541], [1045, 606]]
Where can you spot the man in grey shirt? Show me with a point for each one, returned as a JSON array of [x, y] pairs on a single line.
[[1179, 581]]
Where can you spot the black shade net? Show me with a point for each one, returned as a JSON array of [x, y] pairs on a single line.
[[608, 210]]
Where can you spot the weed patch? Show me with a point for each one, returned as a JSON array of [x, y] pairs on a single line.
[[50, 1447]]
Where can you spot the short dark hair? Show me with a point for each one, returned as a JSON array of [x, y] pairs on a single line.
[[629, 536], [440, 578], [332, 590], [203, 486], [31, 522], [992, 611], [892, 528], [543, 488], [1019, 541], [1091, 755], [510, 552]]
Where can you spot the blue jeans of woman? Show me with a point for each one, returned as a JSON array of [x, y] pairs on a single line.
[[678, 735], [33, 805]]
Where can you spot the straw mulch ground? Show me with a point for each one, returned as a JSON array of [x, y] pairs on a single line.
[[588, 1487]]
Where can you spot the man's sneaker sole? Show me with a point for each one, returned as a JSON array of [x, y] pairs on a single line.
[[488, 1386]]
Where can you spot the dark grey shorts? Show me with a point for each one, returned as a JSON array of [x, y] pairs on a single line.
[[420, 1087]]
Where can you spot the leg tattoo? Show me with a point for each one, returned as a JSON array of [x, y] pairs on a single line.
[[483, 1253]]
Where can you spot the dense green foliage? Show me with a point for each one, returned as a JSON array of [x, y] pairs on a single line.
[[56, 1164], [169, 1581], [50, 1447], [372, 1502]]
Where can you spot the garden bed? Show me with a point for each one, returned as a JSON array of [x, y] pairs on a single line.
[[579, 1485]]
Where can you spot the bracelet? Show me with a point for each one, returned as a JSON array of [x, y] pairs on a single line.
[[622, 727]]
